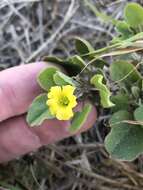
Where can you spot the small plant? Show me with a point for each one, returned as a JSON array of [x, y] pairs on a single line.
[[116, 86], [58, 101]]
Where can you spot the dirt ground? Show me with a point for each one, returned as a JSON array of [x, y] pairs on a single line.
[[30, 29]]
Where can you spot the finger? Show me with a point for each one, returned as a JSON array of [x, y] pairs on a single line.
[[18, 87], [16, 138]]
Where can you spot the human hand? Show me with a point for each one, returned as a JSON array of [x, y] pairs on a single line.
[[18, 87]]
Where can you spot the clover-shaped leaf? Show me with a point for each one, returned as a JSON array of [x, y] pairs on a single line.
[[51, 77], [121, 101], [124, 29], [80, 118], [133, 14], [62, 79], [125, 141], [45, 78], [118, 117], [38, 111], [124, 72], [83, 46], [97, 81]]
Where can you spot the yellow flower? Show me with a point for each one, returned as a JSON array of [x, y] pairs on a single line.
[[61, 101]]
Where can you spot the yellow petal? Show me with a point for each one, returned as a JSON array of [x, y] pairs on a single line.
[[64, 114], [73, 101], [55, 91], [53, 106], [68, 90], [58, 104]]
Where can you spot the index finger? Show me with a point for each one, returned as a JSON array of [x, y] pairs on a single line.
[[18, 87], [16, 138]]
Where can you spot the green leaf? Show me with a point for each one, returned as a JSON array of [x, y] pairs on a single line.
[[45, 78], [69, 66], [118, 117], [53, 59], [131, 40], [123, 28], [138, 114], [133, 14], [58, 80], [124, 72], [125, 141], [121, 102], [62, 79], [80, 118], [38, 111], [104, 92], [77, 60], [99, 63], [83, 46]]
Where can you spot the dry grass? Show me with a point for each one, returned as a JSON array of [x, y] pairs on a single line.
[[30, 29]]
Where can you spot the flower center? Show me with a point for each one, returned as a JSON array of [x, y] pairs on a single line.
[[63, 100]]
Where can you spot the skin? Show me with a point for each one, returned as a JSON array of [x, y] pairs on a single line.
[[18, 87]]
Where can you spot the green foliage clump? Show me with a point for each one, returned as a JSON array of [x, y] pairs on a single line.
[[119, 90]]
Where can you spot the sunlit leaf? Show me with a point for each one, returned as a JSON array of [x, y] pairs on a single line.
[[133, 14], [97, 81], [124, 29]]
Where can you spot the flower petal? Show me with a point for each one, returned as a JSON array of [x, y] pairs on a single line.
[[55, 91], [68, 90], [58, 98], [72, 102], [64, 114]]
